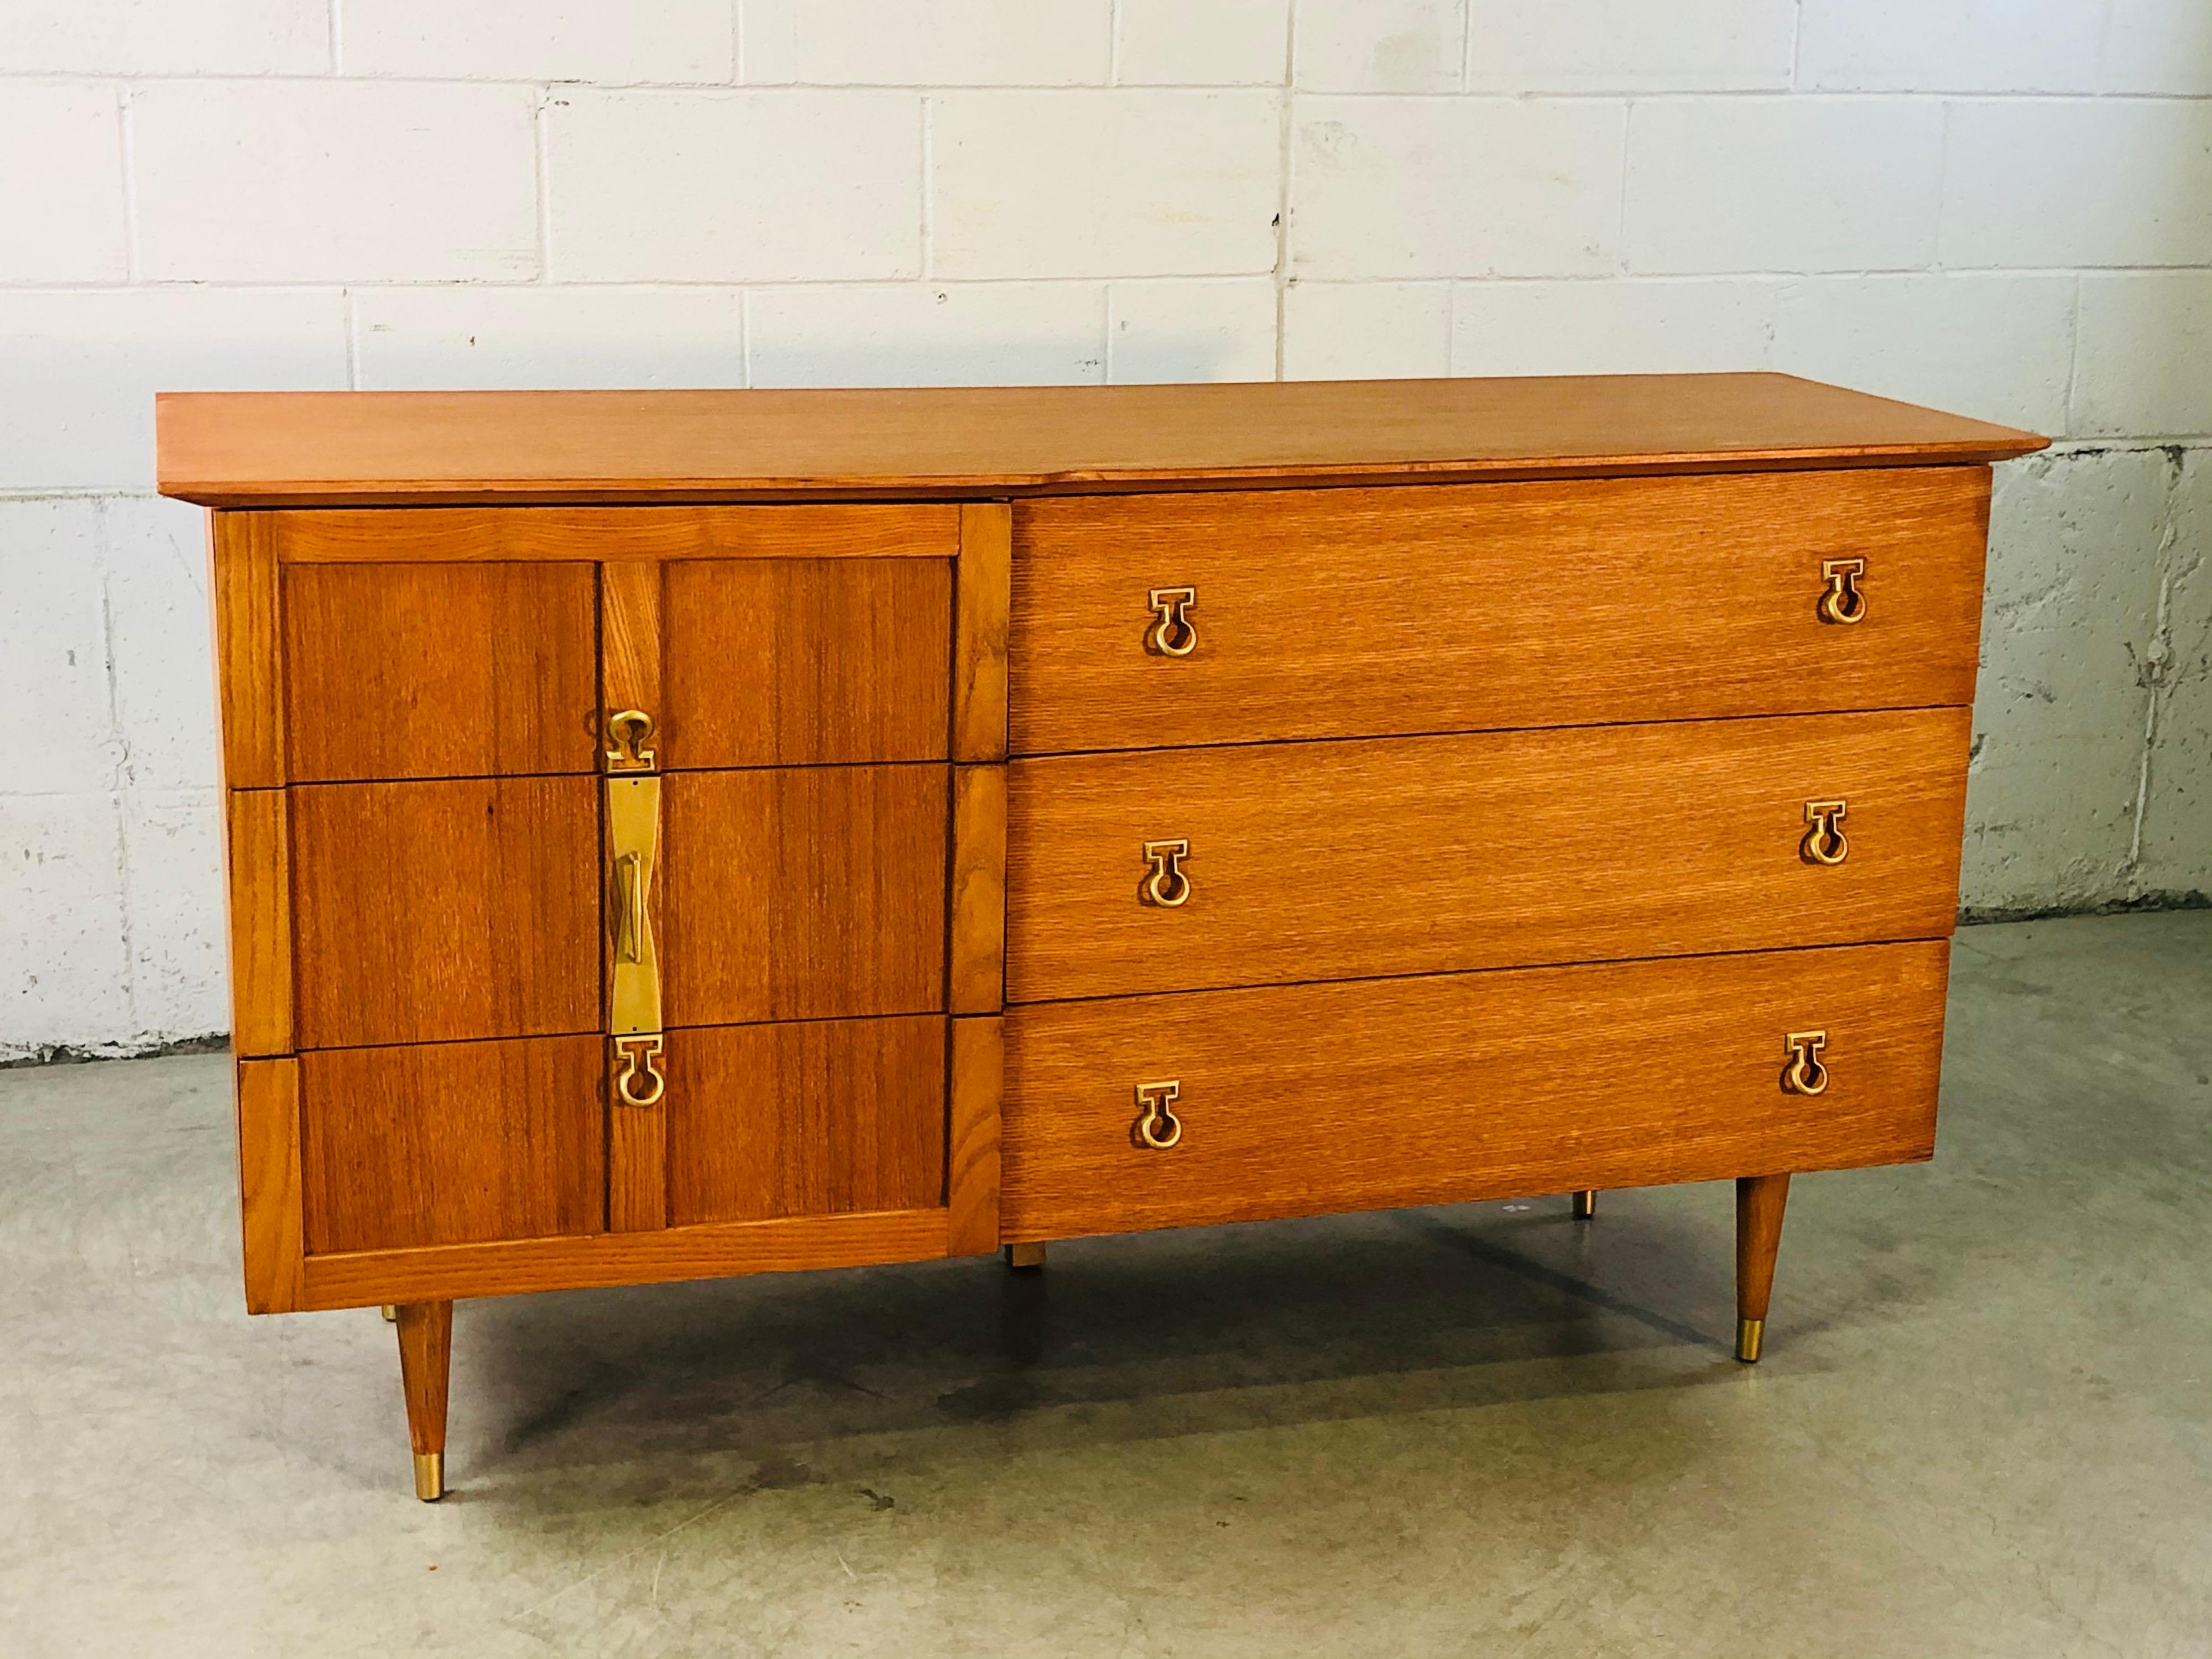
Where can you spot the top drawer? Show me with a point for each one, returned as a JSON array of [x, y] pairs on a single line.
[[383, 645], [1373, 612]]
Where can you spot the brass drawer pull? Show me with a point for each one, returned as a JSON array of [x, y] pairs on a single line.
[[1841, 601], [1157, 1127], [1824, 841], [638, 1077], [1172, 633], [1804, 1074], [628, 733], [632, 799], [1165, 882]]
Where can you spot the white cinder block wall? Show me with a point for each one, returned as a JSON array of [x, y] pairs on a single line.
[[2003, 207]]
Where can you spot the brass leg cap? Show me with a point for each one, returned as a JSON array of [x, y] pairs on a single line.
[[1024, 1256], [391, 1314], [429, 1476], [1749, 1333], [1585, 1204]]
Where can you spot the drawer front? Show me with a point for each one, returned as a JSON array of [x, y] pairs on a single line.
[[817, 1117], [439, 669], [803, 893], [451, 1143], [1411, 855], [1352, 612], [1304, 1100], [444, 910]]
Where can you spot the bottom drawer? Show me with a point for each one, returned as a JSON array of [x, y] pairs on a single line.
[[1302, 1100]]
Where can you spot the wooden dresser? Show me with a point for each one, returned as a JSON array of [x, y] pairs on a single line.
[[683, 834]]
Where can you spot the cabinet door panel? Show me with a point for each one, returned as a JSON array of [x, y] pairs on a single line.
[[810, 893], [429, 670], [818, 1117], [451, 1143], [444, 910], [804, 662]]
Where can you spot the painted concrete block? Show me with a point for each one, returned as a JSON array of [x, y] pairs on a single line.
[[1140, 183], [2143, 364], [163, 644], [1950, 46], [78, 371], [2078, 181], [756, 187], [61, 175], [2061, 709], [1387, 188], [306, 181], [179, 968], [1520, 46], [992, 334], [1620, 326], [470, 337], [64, 972], [608, 42], [60, 730], [1380, 46], [2176, 833], [947, 43], [1999, 348], [133, 37], [1782, 183], [1221, 330], [1202, 43], [1366, 331], [2156, 45]]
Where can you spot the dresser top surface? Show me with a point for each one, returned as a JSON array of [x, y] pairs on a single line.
[[360, 448]]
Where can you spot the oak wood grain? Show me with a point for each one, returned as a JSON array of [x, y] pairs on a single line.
[[451, 1143], [607, 535], [804, 893], [438, 670], [258, 868], [978, 935], [793, 662], [1366, 612], [979, 648], [426, 447], [243, 592], [632, 624], [1304, 1100], [978, 1074], [716, 1250], [269, 1184], [446, 910], [1402, 855], [815, 1117]]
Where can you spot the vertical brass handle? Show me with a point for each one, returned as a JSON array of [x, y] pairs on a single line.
[[1825, 842], [1804, 1074], [1172, 633], [1165, 884], [1840, 599], [1158, 1127], [632, 798]]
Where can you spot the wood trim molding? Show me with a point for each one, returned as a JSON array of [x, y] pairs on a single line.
[[269, 1184], [249, 639], [978, 1073], [621, 535], [982, 597], [712, 1250], [257, 859]]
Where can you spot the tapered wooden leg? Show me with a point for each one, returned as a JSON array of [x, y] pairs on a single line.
[[1759, 1204], [426, 1352], [1586, 1203], [1024, 1256]]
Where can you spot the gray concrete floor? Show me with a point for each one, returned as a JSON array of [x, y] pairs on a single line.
[[1984, 1426]]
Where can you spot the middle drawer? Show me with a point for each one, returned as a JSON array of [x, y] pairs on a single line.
[[1275, 863]]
